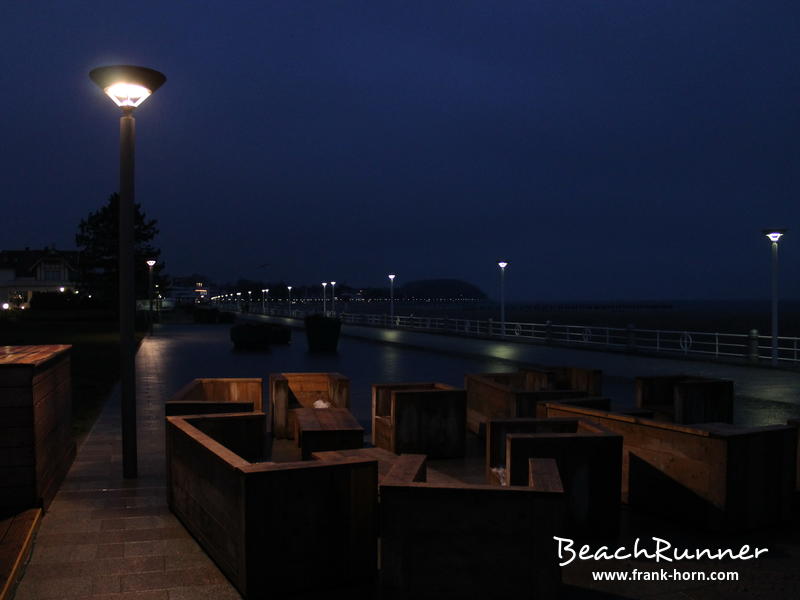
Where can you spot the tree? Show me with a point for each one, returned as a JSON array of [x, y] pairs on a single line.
[[98, 241]]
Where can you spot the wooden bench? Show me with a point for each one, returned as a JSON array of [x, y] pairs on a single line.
[[36, 445], [219, 395], [289, 391], [589, 463], [543, 475], [508, 396], [468, 541], [274, 529], [422, 418], [686, 399], [319, 429], [403, 467], [712, 475], [498, 429]]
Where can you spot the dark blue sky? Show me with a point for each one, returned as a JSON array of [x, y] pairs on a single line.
[[608, 150]]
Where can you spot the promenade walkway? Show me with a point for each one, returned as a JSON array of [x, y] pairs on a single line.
[[109, 538]]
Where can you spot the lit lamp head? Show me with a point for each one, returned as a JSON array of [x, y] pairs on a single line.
[[288, 287], [774, 234], [502, 264], [127, 85], [333, 283], [392, 276], [151, 263]]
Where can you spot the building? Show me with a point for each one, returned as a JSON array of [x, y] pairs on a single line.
[[23, 272]]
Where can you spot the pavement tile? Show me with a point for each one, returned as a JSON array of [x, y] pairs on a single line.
[[208, 592], [172, 579]]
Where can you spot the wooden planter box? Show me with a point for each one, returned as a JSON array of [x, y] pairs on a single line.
[[288, 391], [204, 396], [508, 396], [275, 529], [564, 378], [423, 418], [468, 541], [684, 399], [36, 446], [714, 475], [498, 429], [589, 463]]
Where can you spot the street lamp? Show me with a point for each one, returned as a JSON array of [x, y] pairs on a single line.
[[333, 297], [128, 86], [290, 299], [324, 299], [774, 235], [150, 264], [502, 264], [391, 298], [263, 310]]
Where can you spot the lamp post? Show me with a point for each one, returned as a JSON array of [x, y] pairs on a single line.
[[502, 264], [263, 308], [239, 301], [150, 264], [391, 298], [333, 297], [774, 235], [288, 287], [324, 299], [128, 86]]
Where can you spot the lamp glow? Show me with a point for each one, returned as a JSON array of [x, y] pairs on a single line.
[[151, 263], [5, 306], [502, 264], [127, 94]]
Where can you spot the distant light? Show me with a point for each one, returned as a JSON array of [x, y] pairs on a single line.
[[76, 291], [61, 289], [90, 295], [324, 283], [333, 283], [502, 264], [238, 293], [5, 306], [392, 276], [151, 263], [288, 287], [774, 234]]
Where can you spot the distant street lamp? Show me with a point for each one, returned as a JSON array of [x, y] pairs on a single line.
[[290, 299], [150, 264], [774, 235], [324, 298], [502, 264], [333, 297], [263, 308], [239, 301], [128, 87], [391, 298]]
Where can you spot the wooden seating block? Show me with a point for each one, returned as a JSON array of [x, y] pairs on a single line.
[[289, 391], [216, 395], [320, 429], [543, 475], [419, 418]]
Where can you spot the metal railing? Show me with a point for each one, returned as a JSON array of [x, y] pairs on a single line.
[[736, 347]]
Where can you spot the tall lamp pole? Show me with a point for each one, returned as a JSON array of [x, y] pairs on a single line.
[[333, 297], [774, 236], [324, 298], [263, 309], [502, 264], [391, 298], [128, 86], [288, 287], [150, 264]]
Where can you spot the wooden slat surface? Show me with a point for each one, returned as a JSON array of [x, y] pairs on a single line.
[[30, 355]]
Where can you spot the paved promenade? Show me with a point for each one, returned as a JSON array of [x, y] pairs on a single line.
[[107, 538], [110, 538]]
